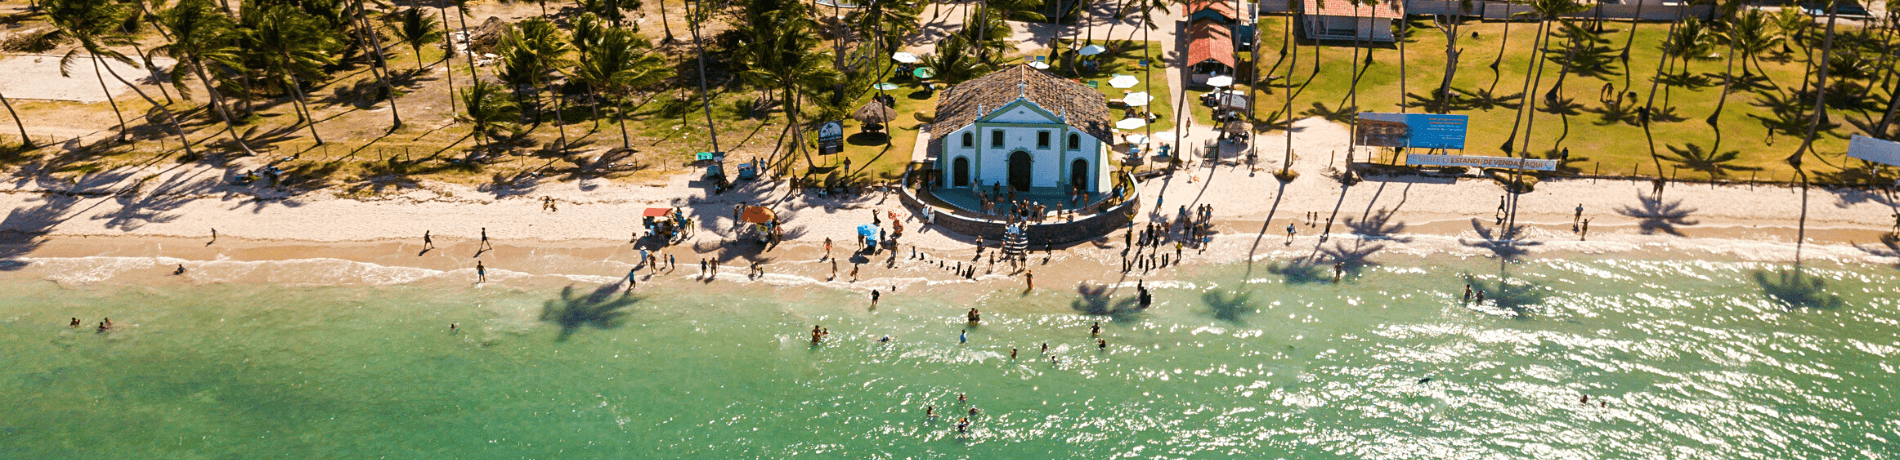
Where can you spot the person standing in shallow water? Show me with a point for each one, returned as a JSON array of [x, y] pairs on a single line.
[[481, 272]]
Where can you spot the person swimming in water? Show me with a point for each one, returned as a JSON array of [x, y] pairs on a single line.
[[974, 316], [963, 336], [1096, 329], [817, 335], [180, 270], [962, 399], [973, 411], [454, 328], [1012, 352], [930, 411], [1101, 343], [1467, 292], [75, 323], [1045, 348], [963, 425]]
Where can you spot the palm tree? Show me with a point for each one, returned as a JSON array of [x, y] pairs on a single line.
[[95, 25], [535, 49], [1820, 90], [780, 56], [1751, 28], [955, 62], [618, 62], [1546, 11], [1450, 26], [379, 65], [665, 25], [1286, 38], [415, 28], [696, 15], [202, 34], [487, 108], [294, 47]]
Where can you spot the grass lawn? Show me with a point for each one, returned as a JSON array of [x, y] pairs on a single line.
[[1125, 59], [1757, 122]]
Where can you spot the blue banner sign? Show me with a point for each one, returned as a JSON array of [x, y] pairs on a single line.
[[1412, 130]]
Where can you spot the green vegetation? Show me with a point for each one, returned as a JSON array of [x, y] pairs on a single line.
[[1743, 86]]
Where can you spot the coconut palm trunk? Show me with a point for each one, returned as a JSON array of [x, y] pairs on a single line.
[[162, 109], [1524, 96], [1728, 82], [26, 143], [378, 65], [1820, 87], [448, 53], [1649, 105], [705, 98]]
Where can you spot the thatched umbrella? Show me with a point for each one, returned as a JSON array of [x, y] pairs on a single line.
[[874, 113]]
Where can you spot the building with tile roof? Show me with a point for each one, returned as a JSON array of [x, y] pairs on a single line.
[[1022, 128], [1345, 20]]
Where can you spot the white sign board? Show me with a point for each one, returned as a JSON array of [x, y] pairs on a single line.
[[1875, 150], [1480, 162]]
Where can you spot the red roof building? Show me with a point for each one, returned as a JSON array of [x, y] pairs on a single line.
[[1345, 20], [1210, 48]]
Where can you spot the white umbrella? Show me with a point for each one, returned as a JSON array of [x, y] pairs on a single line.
[[1137, 139], [1092, 50], [1124, 81], [1131, 123], [904, 57], [1221, 81], [1039, 65], [1136, 99]]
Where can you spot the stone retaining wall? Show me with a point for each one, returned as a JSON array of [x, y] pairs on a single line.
[[1047, 233]]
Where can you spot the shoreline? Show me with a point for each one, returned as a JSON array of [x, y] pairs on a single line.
[[171, 211]]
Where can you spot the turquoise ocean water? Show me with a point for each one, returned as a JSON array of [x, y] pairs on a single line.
[[1693, 359]]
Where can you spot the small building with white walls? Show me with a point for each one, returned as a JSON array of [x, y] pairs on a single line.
[[1025, 130]]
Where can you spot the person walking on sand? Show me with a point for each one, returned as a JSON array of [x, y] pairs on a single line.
[[179, 271], [632, 278], [1584, 234], [1290, 231], [1029, 278], [827, 247], [427, 242], [1578, 218], [874, 296], [485, 246], [854, 273], [481, 272], [214, 237]]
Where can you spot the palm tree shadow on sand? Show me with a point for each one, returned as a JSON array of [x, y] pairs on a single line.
[[1502, 242], [602, 309], [1659, 216]]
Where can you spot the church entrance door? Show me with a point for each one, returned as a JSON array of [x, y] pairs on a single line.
[[1019, 171]]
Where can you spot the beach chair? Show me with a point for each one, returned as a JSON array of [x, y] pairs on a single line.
[[1041, 58], [1094, 84], [1143, 64]]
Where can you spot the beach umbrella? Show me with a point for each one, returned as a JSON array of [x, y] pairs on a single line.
[[884, 86], [758, 215], [1131, 123], [923, 72], [867, 230], [1124, 81], [1136, 99], [1137, 139], [1039, 65], [1091, 50], [1220, 81], [874, 112], [904, 57]]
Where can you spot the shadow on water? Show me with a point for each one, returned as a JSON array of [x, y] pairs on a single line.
[[1517, 297], [1795, 289], [1301, 271], [1229, 306], [1096, 300], [602, 309]]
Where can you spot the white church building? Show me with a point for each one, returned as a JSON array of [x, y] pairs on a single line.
[[1025, 130]]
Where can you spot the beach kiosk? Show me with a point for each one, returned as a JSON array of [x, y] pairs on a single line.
[[758, 223]]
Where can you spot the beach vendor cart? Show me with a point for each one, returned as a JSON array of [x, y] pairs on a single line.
[[758, 223], [868, 234], [663, 224], [715, 165]]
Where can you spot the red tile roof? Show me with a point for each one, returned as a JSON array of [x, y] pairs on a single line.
[[1208, 40], [1225, 8], [1385, 9]]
